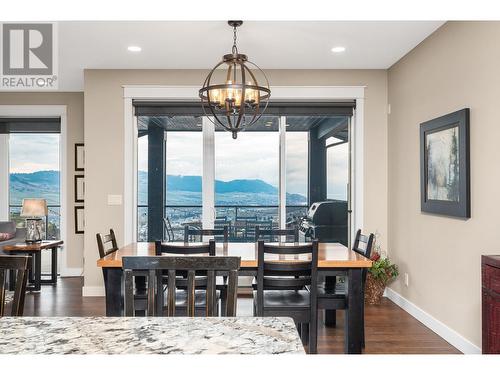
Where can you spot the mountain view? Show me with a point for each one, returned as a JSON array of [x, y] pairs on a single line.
[[182, 190], [186, 190], [42, 184]]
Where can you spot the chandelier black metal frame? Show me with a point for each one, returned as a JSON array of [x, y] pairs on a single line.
[[240, 100]]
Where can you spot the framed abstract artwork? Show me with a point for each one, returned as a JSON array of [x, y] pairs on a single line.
[[79, 189], [79, 157], [79, 220], [445, 165]]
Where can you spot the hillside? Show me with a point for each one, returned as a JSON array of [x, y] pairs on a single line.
[[43, 184], [181, 190]]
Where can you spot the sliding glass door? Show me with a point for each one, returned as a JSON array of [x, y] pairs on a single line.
[[268, 176]]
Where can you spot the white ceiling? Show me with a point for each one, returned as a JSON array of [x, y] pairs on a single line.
[[197, 45]]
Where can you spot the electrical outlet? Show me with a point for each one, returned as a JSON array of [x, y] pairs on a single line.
[[407, 279]]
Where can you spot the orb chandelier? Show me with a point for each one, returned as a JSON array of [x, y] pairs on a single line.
[[231, 95]]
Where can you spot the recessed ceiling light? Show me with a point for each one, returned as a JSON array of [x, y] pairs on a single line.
[[338, 49], [134, 49]]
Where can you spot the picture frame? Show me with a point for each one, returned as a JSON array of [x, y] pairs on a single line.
[[445, 165], [79, 220], [79, 157], [79, 188]]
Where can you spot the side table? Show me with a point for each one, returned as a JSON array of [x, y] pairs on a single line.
[[35, 251]]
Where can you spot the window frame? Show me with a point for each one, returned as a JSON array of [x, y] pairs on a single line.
[[36, 111], [280, 93]]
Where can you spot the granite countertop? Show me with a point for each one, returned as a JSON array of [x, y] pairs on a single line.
[[106, 335]]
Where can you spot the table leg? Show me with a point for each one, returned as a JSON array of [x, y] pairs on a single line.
[[53, 277], [31, 271], [38, 270], [330, 315], [114, 300], [353, 328]]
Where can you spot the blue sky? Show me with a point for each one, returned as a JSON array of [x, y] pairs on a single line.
[[30, 153]]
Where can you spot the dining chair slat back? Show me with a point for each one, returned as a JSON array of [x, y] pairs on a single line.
[[106, 243], [363, 244], [185, 249], [286, 274], [155, 265], [274, 235], [195, 234], [21, 265], [169, 232]]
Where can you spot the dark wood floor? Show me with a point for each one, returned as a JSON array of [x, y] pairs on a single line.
[[389, 329]]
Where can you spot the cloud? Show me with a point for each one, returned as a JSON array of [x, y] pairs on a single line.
[[253, 155], [33, 152]]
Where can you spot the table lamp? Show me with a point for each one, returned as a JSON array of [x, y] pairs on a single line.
[[34, 210]]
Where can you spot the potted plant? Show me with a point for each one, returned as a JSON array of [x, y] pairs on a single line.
[[379, 275]]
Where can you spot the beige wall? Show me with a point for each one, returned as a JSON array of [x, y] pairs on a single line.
[[104, 139], [454, 68], [74, 105]]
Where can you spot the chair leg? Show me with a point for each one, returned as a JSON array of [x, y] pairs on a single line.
[[313, 334], [223, 301], [304, 333]]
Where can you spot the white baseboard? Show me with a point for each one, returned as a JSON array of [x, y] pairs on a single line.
[[93, 291], [453, 337], [71, 272]]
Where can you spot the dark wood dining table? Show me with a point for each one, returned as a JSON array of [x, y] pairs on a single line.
[[334, 260]]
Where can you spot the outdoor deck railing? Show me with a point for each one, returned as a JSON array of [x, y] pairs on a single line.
[[237, 217], [52, 220]]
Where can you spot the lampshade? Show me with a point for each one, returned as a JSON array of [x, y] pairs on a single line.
[[34, 208]]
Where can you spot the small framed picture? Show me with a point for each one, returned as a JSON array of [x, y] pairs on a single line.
[[79, 157], [79, 220], [79, 189], [445, 165]]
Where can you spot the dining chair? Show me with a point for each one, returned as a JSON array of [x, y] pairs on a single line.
[[169, 232], [251, 227], [200, 280], [334, 298], [172, 266], [195, 234], [106, 244], [281, 283], [21, 266], [273, 235]]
